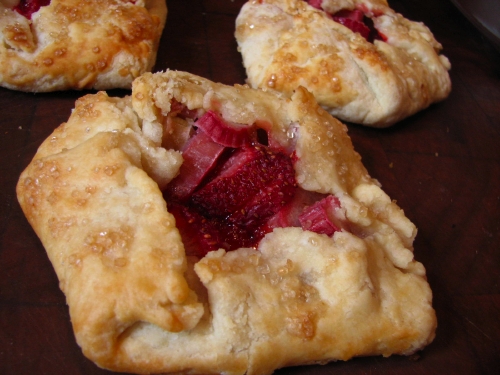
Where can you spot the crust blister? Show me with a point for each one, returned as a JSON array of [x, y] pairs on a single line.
[[139, 305]]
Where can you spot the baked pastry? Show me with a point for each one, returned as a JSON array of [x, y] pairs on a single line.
[[363, 62], [171, 263], [50, 45]]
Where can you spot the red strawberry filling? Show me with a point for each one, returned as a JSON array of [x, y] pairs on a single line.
[[27, 7], [201, 234], [253, 185], [231, 196], [355, 20]]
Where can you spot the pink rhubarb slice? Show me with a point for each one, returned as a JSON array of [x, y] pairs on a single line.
[[200, 156], [229, 134], [323, 217]]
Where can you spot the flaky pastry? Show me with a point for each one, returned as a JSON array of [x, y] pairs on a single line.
[[363, 62], [78, 44], [336, 280]]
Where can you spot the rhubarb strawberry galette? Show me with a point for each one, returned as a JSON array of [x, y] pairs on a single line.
[[49, 45], [202, 228], [363, 62]]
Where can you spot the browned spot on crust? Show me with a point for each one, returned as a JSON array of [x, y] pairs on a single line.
[[20, 37], [372, 56]]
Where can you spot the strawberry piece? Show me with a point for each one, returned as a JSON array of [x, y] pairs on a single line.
[[253, 185], [229, 134], [26, 8], [324, 216], [197, 233], [200, 156]]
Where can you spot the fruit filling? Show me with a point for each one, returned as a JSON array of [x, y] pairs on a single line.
[[355, 20], [233, 187], [26, 8]]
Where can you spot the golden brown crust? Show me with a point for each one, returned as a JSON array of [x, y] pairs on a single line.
[[80, 44], [138, 304], [287, 43]]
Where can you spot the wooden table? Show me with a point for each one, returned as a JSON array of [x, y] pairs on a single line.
[[441, 165]]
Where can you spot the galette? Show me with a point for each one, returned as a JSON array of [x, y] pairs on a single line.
[[51, 45], [364, 62], [202, 228]]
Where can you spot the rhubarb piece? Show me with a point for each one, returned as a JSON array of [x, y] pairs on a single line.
[[323, 217], [226, 133], [200, 157], [288, 215]]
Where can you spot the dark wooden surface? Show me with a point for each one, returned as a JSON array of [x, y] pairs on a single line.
[[441, 165]]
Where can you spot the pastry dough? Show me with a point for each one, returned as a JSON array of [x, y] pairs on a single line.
[[93, 194], [287, 43], [80, 44]]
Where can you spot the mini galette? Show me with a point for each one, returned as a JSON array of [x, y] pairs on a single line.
[[50, 45], [363, 62], [201, 228]]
